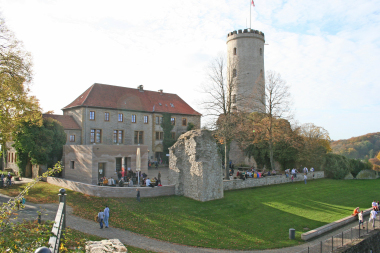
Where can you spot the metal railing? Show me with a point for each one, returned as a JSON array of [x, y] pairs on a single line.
[[58, 226], [343, 238]]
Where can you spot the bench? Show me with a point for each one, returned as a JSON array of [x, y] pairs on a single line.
[[331, 226]]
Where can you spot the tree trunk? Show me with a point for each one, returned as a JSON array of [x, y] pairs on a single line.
[[271, 155]]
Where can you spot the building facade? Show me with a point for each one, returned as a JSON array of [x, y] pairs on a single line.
[[109, 123]]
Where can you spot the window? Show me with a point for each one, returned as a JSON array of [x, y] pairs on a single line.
[[261, 51], [133, 118], [106, 116], [173, 121], [92, 115], [15, 157], [146, 119], [12, 157], [159, 135], [158, 120], [120, 117], [234, 98], [234, 73], [173, 135], [234, 50], [72, 164], [9, 157], [261, 73], [118, 136], [139, 137], [72, 138], [96, 136], [184, 122]]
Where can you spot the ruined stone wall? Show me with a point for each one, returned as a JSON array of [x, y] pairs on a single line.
[[268, 180], [195, 166]]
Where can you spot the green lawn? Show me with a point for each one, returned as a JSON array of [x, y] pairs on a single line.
[[256, 218]]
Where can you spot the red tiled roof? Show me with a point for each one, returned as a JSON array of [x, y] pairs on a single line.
[[67, 121], [116, 97]]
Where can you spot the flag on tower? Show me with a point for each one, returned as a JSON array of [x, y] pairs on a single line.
[[253, 3]]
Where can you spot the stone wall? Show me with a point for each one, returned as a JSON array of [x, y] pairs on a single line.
[[269, 180], [195, 166], [369, 243], [112, 192], [112, 245]]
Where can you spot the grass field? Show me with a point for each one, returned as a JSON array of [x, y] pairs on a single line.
[[28, 236], [256, 218]]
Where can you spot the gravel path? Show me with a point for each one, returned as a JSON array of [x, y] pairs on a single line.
[[91, 227]]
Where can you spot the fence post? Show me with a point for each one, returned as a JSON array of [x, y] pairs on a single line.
[[62, 198], [342, 238], [351, 234]]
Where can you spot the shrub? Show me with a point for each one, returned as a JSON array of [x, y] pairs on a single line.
[[358, 165], [336, 166]]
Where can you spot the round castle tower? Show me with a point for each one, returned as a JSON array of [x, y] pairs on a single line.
[[245, 61]]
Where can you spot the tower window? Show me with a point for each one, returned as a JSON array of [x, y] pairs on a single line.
[[234, 50], [234, 74], [234, 98], [261, 51], [261, 73]]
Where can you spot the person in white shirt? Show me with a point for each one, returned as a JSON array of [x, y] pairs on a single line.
[[147, 183], [101, 218], [305, 170], [372, 217]]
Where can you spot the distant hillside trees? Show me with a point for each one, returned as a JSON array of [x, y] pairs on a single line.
[[362, 147]]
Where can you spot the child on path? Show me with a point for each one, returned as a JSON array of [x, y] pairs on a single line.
[[101, 218]]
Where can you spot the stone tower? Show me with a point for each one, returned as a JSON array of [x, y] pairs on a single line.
[[245, 62]]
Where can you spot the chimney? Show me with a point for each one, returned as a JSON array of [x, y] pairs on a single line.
[[141, 88], [160, 91]]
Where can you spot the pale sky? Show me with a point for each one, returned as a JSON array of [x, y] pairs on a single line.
[[327, 51]]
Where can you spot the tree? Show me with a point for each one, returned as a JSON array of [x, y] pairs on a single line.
[[39, 144], [273, 102], [316, 144], [16, 106], [167, 127], [218, 104]]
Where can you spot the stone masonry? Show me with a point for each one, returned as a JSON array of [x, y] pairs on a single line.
[[113, 245], [195, 166]]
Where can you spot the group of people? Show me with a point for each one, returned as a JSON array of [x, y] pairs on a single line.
[[103, 217], [372, 215], [8, 179], [293, 173]]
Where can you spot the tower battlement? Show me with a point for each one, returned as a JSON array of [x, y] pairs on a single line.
[[242, 31]]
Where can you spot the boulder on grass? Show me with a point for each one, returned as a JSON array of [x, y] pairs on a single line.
[[367, 174], [349, 176]]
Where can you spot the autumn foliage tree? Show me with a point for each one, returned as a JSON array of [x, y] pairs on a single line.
[[16, 105]]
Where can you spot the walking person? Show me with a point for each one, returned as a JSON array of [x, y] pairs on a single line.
[[101, 218], [304, 178], [159, 177], [372, 217], [106, 216], [138, 195], [360, 217]]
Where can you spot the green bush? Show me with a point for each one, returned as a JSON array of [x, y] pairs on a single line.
[[358, 165], [336, 166]]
